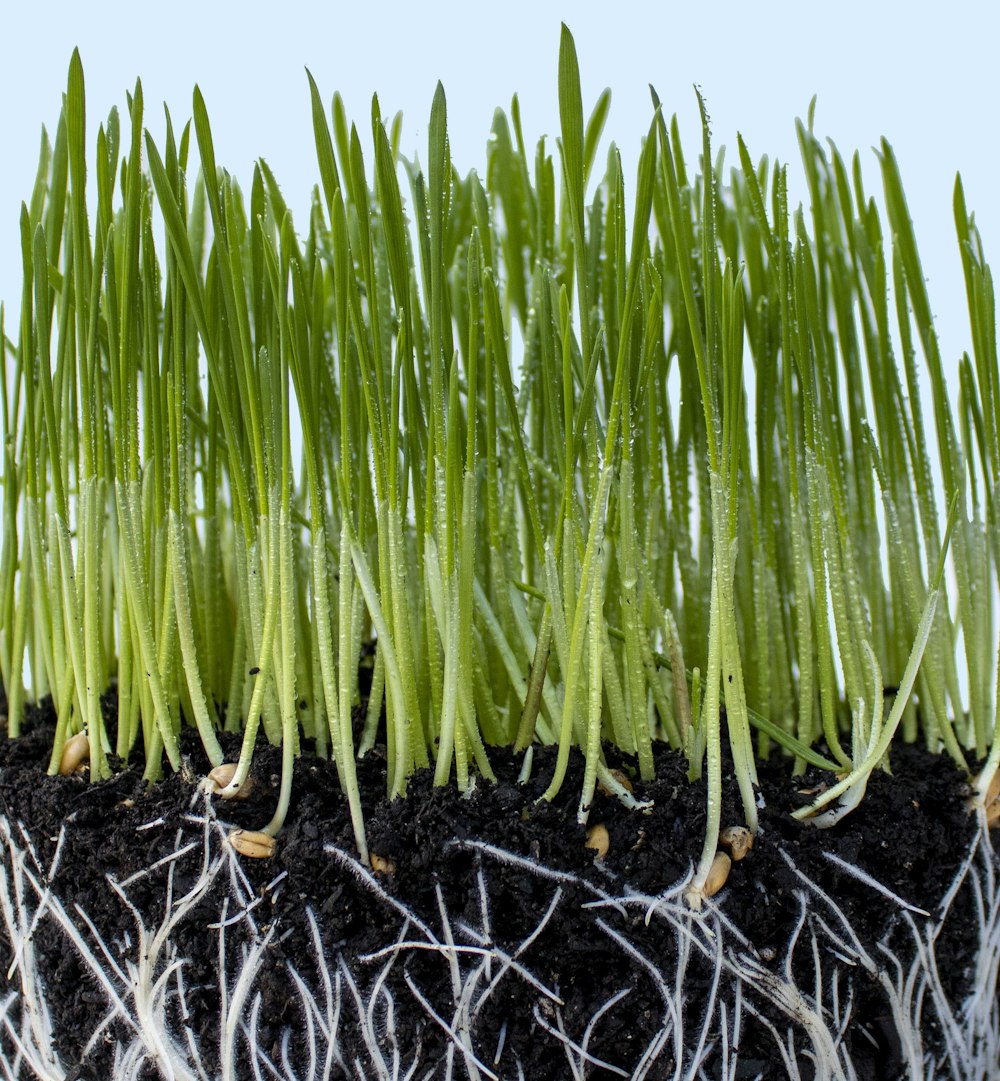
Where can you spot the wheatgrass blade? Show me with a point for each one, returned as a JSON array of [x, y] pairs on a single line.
[[546, 545]]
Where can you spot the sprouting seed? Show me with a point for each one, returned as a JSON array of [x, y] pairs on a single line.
[[382, 865], [737, 840], [252, 843], [221, 777], [991, 801], [598, 840], [717, 874], [621, 778], [76, 752]]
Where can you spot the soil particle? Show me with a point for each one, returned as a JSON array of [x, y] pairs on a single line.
[[910, 834]]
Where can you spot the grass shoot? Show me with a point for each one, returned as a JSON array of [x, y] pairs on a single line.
[[233, 461]]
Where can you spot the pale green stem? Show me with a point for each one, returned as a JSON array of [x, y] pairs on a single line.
[[713, 741]]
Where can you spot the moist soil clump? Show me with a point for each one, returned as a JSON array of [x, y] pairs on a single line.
[[579, 946]]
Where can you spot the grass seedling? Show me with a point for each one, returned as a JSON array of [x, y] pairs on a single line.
[[231, 463]]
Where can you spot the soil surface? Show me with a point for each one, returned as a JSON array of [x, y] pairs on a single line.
[[483, 871]]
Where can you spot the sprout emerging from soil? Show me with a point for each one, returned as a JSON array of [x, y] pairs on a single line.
[[698, 507]]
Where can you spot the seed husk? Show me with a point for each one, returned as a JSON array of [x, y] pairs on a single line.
[[76, 752], [382, 865], [737, 840], [219, 779], [253, 843], [718, 873], [993, 792], [598, 840]]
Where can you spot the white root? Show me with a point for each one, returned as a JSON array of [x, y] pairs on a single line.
[[350, 1012]]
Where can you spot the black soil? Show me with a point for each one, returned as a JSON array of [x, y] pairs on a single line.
[[911, 833]]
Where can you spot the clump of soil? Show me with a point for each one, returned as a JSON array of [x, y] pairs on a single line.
[[482, 870]]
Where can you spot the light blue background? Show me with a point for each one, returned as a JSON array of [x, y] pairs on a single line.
[[926, 75]]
